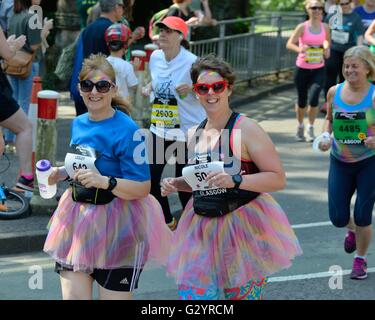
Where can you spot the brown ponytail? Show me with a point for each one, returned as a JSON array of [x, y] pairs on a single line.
[[122, 103]]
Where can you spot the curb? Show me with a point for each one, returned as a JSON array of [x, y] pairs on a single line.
[[16, 242]]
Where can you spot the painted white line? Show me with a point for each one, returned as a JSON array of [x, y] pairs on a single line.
[[313, 275], [48, 265], [311, 225], [23, 261]]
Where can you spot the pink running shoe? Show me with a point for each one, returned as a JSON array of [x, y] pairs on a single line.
[[359, 271], [349, 242]]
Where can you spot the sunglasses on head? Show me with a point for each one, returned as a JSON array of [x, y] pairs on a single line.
[[316, 8], [102, 86], [203, 88]]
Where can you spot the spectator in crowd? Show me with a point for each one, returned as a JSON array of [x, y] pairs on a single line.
[[369, 36], [117, 37], [92, 41], [181, 9], [82, 7], [366, 12], [138, 33], [6, 12], [13, 117], [18, 25]]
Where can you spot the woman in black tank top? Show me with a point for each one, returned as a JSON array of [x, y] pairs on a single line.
[[233, 166]]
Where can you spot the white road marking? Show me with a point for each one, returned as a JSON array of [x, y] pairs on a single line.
[[311, 225], [313, 275]]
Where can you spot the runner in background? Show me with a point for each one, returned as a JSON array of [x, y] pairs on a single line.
[[311, 40], [351, 119], [346, 31], [175, 108]]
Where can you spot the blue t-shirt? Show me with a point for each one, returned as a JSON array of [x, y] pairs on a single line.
[[93, 37], [366, 17], [118, 140]]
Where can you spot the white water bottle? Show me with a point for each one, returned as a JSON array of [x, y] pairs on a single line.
[[325, 136], [43, 171]]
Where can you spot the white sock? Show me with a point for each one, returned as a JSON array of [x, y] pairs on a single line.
[[301, 125], [361, 257], [310, 126]]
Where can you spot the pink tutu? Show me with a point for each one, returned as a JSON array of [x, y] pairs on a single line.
[[252, 242], [119, 234]]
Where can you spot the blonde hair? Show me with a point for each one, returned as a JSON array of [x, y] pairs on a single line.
[[363, 53], [99, 62], [307, 2]]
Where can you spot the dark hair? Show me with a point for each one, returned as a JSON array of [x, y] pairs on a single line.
[[213, 63], [185, 44], [20, 5]]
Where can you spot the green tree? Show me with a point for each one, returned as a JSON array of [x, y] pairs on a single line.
[[276, 5]]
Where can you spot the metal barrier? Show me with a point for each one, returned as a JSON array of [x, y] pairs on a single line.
[[258, 52]]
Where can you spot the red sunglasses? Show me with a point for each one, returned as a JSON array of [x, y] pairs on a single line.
[[217, 87]]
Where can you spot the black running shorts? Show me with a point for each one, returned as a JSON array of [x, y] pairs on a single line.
[[122, 279]]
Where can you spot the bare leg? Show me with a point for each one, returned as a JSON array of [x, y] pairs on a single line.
[[312, 112], [300, 113], [351, 226], [21, 126], [363, 239], [76, 285], [2, 143], [105, 294]]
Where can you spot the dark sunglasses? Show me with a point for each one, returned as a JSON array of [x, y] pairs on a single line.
[[102, 86], [345, 3], [203, 88], [316, 8]]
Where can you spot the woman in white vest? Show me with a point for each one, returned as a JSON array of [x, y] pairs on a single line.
[[175, 108]]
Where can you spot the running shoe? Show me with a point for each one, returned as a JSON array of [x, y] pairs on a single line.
[[173, 224], [323, 108], [359, 270], [24, 184], [300, 136], [349, 242], [310, 133]]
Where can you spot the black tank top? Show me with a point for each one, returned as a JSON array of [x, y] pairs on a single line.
[[220, 201]]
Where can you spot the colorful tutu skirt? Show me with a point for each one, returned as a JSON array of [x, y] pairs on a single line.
[[252, 242], [121, 234]]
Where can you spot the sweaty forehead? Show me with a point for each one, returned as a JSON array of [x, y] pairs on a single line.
[[209, 74], [97, 75]]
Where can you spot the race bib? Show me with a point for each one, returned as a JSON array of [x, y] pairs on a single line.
[[350, 127], [164, 113], [314, 55], [80, 157], [340, 37], [195, 175]]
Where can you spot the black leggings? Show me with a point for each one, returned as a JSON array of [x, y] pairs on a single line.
[[159, 160], [333, 70], [343, 180], [305, 79]]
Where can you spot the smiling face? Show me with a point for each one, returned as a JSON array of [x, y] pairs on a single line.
[[355, 69], [315, 9], [97, 102], [213, 101]]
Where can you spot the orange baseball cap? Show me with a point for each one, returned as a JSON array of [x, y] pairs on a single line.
[[174, 23]]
